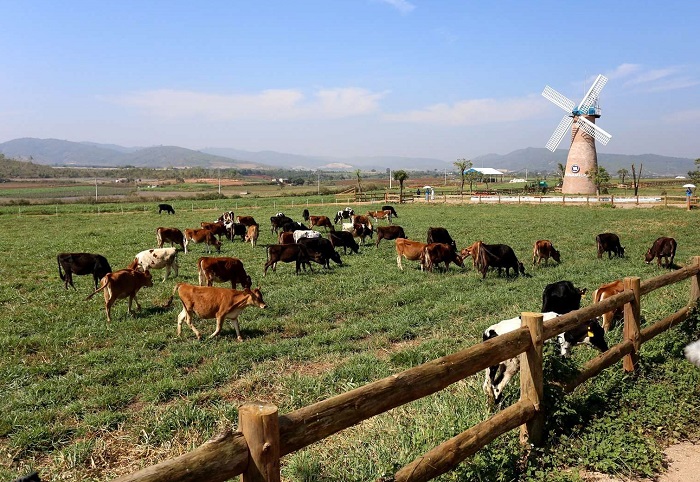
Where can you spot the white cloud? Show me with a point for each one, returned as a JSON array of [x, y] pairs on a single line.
[[401, 5], [682, 117], [623, 70], [475, 112], [276, 104], [642, 79]]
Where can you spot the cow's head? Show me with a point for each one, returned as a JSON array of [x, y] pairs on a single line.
[[621, 252], [648, 257], [256, 297], [458, 260], [217, 245], [521, 268], [556, 255], [590, 333], [247, 282], [147, 278], [336, 257]]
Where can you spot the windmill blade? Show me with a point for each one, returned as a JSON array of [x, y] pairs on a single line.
[[592, 93], [594, 131], [558, 99], [559, 133]]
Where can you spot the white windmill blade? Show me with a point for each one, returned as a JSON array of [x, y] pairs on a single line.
[[592, 93], [558, 99], [559, 133], [594, 131]]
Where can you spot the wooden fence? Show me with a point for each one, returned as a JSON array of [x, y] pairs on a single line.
[[264, 436]]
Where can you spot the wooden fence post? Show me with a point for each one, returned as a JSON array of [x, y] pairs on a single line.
[[695, 282], [259, 424], [531, 379], [631, 329]]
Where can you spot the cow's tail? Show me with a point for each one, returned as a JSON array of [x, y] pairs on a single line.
[[169, 302], [481, 258], [60, 273], [105, 282], [159, 238]]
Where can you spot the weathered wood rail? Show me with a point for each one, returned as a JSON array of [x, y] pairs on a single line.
[[254, 452]]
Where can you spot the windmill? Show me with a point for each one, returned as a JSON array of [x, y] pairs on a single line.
[[580, 119]]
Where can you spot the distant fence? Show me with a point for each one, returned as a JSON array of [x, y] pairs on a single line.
[[254, 451]]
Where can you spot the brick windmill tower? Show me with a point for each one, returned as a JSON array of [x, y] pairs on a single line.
[[581, 120]]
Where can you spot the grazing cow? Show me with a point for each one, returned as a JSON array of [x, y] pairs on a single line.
[[165, 207], [124, 283], [440, 235], [497, 256], [376, 215], [236, 229], [216, 228], [389, 232], [321, 251], [82, 264], [411, 250], [390, 208], [606, 291], [202, 236], [436, 253], [294, 226], [305, 215], [346, 213], [543, 249], [344, 239], [305, 234], [222, 270], [285, 238], [226, 218], [662, 247], [563, 297], [247, 220], [321, 221], [359, 219], [170, 235], [158, 258], [212, 302], [361, 231], [287, 253], [252, 234], [277, 222], [610, 243]]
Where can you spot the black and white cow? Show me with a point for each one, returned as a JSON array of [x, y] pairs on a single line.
[[343, 214]]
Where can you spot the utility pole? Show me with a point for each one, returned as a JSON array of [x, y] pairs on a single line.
[[95, 189], [445, 176], [318, 173], [219, 181], [389, 178]]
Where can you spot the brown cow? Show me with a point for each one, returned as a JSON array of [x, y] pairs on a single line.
[[170, 235], [380, 215], [359, 219], [436, 253], [411, 250], [222, 270], [285, 238], [389, 232], [543, 249], [247, 220], [471, 250], [287, 253], [662, 247], [217, 228], [321, 221], [202, 236], [212, 302], [606, 291], [122, 284], [252, 234]]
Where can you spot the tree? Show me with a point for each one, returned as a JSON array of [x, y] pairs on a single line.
[[561, 170], [695, 175], [636, 178], [623, 173], [358, 173], [599, 176], [463, 165], [400, 176]]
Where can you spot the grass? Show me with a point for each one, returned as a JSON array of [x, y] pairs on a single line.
[[86, 400]]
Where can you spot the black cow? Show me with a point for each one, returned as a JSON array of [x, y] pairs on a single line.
[[321, 251], [662, 247], [305, 215], [436, 253], [236, 229], [278, 222], [294, 226], [82, 264], [497, 256], [610, 243], [390, 208], [389, 232], [165, 207], [287, 253], [344, 239], [440, 235]]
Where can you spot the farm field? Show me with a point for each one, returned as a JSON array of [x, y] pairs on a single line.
[[83, 400]]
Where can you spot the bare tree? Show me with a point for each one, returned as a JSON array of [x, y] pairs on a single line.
[[636, 178]]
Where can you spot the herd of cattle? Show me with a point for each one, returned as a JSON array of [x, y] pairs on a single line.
[[300, 244]]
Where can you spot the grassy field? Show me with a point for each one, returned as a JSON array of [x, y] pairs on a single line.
[[83, 400]]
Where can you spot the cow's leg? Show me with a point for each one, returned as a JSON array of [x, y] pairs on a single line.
[[185, 243], [69, 279], [512, 367], [398, 262], [219, 324], [234, 320], [167, 272], [109, 301], [175, 267]]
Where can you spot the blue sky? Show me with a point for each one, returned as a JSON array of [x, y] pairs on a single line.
[[446, 79]]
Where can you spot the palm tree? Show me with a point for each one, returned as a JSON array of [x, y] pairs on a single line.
[[463, 165], [561, 170], [623, 173], [400, 176]]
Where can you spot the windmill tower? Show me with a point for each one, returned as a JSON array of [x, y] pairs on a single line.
[[581, 120]]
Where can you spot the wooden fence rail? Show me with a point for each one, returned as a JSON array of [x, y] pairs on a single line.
[[268, 437]]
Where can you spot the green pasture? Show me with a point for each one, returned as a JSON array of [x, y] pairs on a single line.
[[83, 400]]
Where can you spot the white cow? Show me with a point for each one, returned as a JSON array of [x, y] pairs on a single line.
[[157, 258], [310, 233]]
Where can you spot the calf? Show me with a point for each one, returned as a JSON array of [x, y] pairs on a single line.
[[124, 283], [158, 258], [236, 229], [321, 221], [81, 264], [440, 235], [389, 232], [411, 250], [165, 207], [321, 251], [305, 234], [662, 247], [543, 249], [606, 291], [497, 256], [252, 234], [170, 235], [217, 228], [610, 243], [380, 215], [287, 253], [344, 239], [390, 208], [247, 220], [222, 270], [202, 236], [285, 238], [210, 302], [277, 222], [436, 253]]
